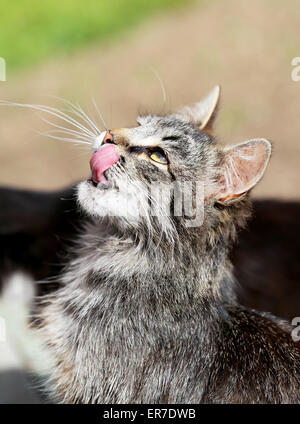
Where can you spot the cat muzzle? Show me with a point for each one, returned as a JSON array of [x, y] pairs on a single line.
[[101, 161]]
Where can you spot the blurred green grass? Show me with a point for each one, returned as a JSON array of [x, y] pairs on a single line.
[[33, 30]]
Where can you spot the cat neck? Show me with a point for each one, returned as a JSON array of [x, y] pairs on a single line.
[[111, 261]]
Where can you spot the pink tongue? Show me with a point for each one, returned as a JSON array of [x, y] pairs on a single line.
[[101, 161]]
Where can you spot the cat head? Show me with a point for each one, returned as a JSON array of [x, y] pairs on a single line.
[[168, 173]]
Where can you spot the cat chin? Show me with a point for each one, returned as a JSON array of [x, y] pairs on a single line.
[[99, 202]]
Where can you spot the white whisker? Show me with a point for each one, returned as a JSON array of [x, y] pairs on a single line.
[[162, 86], [88, 120], [77, 110], [55, 112], [62, 132], [99, 113], [66, 132], [71, 131], [74, 122], [70, 140]]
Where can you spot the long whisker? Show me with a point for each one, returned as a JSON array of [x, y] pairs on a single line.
[[66, 128], [81, 126], [70, 140], [69, 130], [162, 86], [77, 110], [88, 119], [52, 111], [99, 113], [66, 132]]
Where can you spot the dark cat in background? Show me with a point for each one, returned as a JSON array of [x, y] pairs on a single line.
[[38, 228], [147, 310]]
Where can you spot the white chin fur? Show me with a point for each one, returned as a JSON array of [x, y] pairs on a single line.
[[111, 202]]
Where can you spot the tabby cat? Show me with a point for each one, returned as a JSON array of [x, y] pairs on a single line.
[[147, 311]]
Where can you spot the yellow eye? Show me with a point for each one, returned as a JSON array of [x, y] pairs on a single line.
[[159, 157]]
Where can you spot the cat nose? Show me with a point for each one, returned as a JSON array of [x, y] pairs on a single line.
[[117, 136], [108, 138]]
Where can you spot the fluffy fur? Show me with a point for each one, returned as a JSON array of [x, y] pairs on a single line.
[[147, 312]]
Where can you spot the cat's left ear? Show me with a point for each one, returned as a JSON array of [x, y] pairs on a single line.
[[243, 166], [203, 113]]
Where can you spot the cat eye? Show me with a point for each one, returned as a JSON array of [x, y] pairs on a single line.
[[156, 154], [159, 157]]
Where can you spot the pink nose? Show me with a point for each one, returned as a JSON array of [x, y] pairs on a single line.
[[108, 138], [102, 160]]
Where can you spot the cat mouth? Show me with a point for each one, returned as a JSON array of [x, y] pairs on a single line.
[[100, 186], [100, 163]]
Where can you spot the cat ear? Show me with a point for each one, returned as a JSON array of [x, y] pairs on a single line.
[[204, 112], [243, 166]]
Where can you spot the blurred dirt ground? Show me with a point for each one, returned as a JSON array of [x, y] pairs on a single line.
[[247, 47]]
